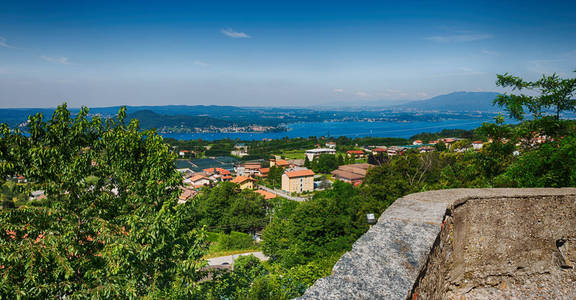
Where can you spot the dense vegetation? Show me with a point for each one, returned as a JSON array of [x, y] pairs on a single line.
[[110, 226]]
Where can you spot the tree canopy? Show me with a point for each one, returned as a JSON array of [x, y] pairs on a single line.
[[110, 225]]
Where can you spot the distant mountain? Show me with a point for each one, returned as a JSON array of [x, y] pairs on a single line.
[[457, 101], [150, 119]]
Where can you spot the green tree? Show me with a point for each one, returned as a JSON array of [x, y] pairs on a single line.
[[122, 235], [275, 176], [553, 94]]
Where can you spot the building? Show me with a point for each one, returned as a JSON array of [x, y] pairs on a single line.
[[197, 181], [356, 153], [186, 194], [379, 150], [218, 174], [298, 181], [267, 195], [248, 169], [244, 182], [417, 143], [263, 172], [396, 150], [313, 153], [425, 149], [331, 145], [477, 145], [279, 163], [352, 173]]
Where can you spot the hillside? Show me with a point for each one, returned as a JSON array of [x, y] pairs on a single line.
[[149, 119], [457, 101]]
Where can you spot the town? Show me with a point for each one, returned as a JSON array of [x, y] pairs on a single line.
[[298, 180]]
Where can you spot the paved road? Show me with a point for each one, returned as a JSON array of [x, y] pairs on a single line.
[[229, 259], [282, 194]]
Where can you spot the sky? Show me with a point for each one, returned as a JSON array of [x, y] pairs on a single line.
[[273, 53]]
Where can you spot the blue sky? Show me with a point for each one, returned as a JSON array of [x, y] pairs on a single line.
[[103, 53]]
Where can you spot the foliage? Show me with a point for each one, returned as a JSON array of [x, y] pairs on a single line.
[[275, 176], [122, 235], [554, 94], [553, 164], [226, 208], [234, 241], [324, 163]]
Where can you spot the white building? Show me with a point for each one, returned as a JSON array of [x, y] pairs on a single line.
[[313, 153]]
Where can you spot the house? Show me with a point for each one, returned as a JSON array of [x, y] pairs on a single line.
[[352, 173], [218, 174], [198, 180], [186, 194], [21, 179], [38, 195], [313, 153], [267, 195], [379, 150], [244, 182], [279, 163], [331, 145], [248, 169], [425, 149], [396, 150], [263, 172], [448, 141], [417, 143], [434, 142], [240, 150], [477, 145], [298, 181], [183, 153], [355, 153]]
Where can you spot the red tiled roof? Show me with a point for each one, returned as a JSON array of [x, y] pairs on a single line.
[[282, 163], [267, 195], [197, 177], [477, 142], [223, 171], [299, 173], [379, 150], [264, 170], [355, 152], [240, 179]]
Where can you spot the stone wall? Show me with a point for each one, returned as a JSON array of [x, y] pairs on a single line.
[[472, 243]]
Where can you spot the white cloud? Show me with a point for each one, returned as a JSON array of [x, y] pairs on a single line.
[[58, 60], [235, 34], [338, 91], [201, 63], [459, 38], [362, 94], [4, 43]]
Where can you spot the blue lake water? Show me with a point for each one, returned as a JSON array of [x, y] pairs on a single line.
[[336, 129]]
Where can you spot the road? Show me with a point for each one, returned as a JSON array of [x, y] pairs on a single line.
[[229, 259], [282, 194]]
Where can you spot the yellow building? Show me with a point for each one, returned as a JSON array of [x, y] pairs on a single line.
[[244, 182], [298, 181]]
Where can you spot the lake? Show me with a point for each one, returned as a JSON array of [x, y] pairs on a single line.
[[336, 129]]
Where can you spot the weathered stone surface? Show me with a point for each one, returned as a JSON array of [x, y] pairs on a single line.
[[391, 259]]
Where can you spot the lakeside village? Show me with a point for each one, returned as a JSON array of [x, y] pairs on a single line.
[[294, 178]]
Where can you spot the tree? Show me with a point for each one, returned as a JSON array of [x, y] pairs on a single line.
[[110, 226], [554, 94], [275, 176]]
